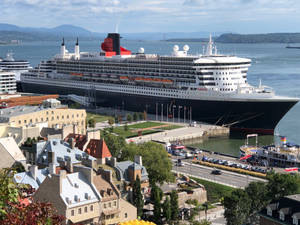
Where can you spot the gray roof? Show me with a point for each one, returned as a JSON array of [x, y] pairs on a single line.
[[62, 152], [122, 168], [76, 190], [294, 197], [6, 113], [26, 178]]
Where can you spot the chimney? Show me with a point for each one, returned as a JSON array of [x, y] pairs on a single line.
[[62, 175], [51, 156], [63, 48], [70, 166], [77, 52], [138, 159], [52, 168], [116, 42], [33, 171], [113, 162], [88, 172]]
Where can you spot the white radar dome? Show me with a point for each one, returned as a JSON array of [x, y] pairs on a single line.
[[141, 50], [186, 48], [176, 48]]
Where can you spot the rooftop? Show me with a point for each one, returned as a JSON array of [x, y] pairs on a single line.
[[62, 152], [27, 178], [98, 149]]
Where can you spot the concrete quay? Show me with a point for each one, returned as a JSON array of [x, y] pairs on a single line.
[[183, 134]]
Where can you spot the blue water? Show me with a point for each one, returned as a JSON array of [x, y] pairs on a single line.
[[277, 67]]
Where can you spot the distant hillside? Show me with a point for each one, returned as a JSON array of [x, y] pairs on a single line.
[[260, 38], [187, 40]]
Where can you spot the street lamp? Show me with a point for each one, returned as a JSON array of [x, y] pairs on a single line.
[[174, 106], [179, 107], [162, 112]]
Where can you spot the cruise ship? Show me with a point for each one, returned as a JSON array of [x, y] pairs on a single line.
[[210, 88], [16, 66]]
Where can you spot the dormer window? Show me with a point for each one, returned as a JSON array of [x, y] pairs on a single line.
[[281, 216], [269, 211], [295, 220]]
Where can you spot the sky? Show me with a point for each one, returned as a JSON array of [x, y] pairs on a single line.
[[133, 16]]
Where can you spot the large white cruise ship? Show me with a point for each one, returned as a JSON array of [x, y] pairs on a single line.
[[210, 88], [16, 66]]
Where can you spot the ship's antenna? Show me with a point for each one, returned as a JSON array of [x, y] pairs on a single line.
[[117, 28], [63, 42], [77, 41]]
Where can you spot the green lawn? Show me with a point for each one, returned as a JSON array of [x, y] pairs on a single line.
[[97, 117], [214, 191], [133, 129]]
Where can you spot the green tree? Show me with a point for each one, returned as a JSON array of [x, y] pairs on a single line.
[[137, 197], [157, 206], [155, 159], [135, 116], [116, 144], [126, 127], [141, 116], [111, 121], [129, 118], [91, 122], [155, 189], [9, 192], [117, 119], [257, 193], [280, 185], [167, 209], [236, 207], [174, 205], [202, 222]]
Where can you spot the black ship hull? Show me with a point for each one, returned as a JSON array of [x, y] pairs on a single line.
[[247, 116]]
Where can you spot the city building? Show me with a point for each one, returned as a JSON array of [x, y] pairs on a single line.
[[34, 177], [127, 172], [50, 114], [114, 208], [58, 152], [73, 195], [283, 211], [10, 153], [8, 84], [92, 144]]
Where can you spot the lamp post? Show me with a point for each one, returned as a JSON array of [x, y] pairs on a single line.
[[167, 112], [162, 112], [156, 112], [174, 106], [179, 107]]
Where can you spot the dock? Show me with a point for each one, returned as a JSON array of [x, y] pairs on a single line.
[[183, 134]]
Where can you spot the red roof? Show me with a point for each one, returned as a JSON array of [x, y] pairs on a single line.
[[98, 149], [79, 139]]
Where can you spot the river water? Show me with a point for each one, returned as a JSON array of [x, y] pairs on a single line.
[[276, 66]]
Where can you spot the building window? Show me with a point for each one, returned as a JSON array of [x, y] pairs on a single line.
[[62, 117], [79, 211], [19, 121], [52, 118], [125, 215], [295, 220], [281, 216], [52, 112], [47, 113], [42, 119], [57, 117], [25, 121], [269, 211], [85, 209], [109, 204], [115, 203], [104, 206], [67, 116], [91, 208], [72, 213]]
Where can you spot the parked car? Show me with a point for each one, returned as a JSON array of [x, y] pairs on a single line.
[[216, 172]]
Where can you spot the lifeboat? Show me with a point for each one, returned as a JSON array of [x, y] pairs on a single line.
[[124, 78], [77, 74]]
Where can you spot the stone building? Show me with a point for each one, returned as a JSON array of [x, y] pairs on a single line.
[[50, 114], [73, 195]]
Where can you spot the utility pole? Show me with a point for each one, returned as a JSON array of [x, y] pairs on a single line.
[[179, 107], [191, 115], [156, 113], [174, 106], [167, 112], [162, 112], [184, 114]]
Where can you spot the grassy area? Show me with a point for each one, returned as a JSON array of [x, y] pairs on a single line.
[[97, 117], [133, 129], [214, 191]]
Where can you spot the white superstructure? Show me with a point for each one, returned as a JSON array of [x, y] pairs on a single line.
[[7, 82]]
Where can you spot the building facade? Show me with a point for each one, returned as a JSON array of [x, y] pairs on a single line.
[[51, 113], [8, 83]]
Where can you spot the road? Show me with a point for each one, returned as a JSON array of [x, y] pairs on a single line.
[[227, 178]]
